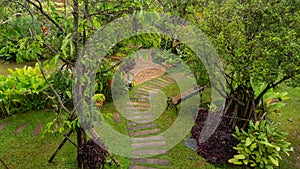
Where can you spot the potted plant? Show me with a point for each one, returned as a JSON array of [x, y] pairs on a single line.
[[99, 98]]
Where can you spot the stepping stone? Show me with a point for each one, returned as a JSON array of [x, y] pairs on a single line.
[[139, 103], [142, 121], [37, 130], [145, 126], [165, 81], [117, 117], [151, 90], [147, 139], [148, 152], [168, 78], [147, 90], [140, 117], [139, 96], [139, 167], [150, 161], [136, 113], [20, 129], [137, 108], [191, 143], [140, 133], [158, 85], [3, 125], [141, 100], [140, 92], [149, 144], [133, 124]]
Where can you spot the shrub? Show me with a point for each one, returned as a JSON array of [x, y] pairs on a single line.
[[22, 90], [260, 146], [16, 43]]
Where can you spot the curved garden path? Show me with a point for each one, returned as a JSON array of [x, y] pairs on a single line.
[[143, 129]]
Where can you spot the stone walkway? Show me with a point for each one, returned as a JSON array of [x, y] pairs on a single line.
[[143, 130], [21, 127]]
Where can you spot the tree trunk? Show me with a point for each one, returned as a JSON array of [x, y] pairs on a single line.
[[81, 139], [240, 114]]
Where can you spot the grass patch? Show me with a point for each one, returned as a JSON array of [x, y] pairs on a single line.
[[289, 122], [27, 151]]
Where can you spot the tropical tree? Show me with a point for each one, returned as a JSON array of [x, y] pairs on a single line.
[[258, 42]]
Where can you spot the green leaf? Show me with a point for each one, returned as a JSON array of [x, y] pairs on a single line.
[[253, 146], [248, 141], [274, 161], [240, 156]]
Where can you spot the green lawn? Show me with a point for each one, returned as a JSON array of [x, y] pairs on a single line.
[[27, 151], [289, 121]]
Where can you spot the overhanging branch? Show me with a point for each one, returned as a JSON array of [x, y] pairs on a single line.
[[40, 8], [272, 85]]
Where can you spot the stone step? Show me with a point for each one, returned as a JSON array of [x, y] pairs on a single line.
[[168, 78], [157, 85], [147, 90], [140, 92], [141, 117], [139, 104], [166, 81], [148, 144], [143, 121], [149, 161], [145, 132], [145, 126], [136, 113], [139, 167], [139, 96], [141, 100], [147, 139], [3, 125], [37, 130], [20, 128], [137, 108], [148, 152]]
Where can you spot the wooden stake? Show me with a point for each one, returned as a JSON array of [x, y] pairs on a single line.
[[61, 145], [3, 164]]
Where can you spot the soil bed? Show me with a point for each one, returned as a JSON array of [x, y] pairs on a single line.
[[218, 149]]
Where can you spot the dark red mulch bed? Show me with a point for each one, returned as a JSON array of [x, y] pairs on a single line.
[[93, 155], [218, 149]]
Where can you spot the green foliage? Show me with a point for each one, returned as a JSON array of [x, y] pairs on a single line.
[[16, 42], [257, 40], [61, 81], [22, 90], [260, 146], [272, 100]]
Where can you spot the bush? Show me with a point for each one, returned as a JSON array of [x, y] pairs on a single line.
[[16, 43], [260, 147], [22, 90]]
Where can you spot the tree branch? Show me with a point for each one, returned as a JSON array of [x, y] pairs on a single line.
[[51, 87], [40, 8], [16, 14], [272, 85]]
